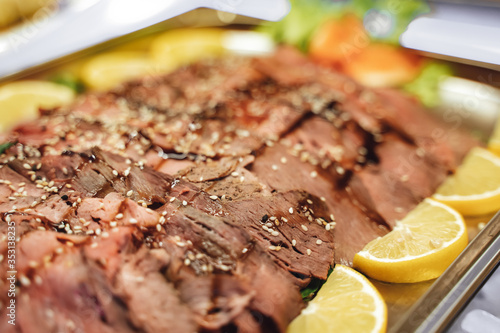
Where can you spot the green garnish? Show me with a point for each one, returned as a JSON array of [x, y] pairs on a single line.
[[5, 146], [68, 80], [312, 288], [426, 85], [304, 18]]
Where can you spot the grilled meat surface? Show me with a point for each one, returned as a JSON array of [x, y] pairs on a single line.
[[206, 199]]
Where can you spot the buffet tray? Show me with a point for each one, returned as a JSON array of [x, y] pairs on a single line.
[[429, 306]]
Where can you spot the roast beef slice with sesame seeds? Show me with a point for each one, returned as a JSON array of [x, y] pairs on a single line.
[[289, 67], [114, 207], [226, 178], [445, 141], [354, 226], [402, 178], [173, 167], [280, 225], [211, 170], [101, 289], [254, 288], [10, 184], [191, 87], [216, 299], [153, 303], [276, 301], [70, 296], [319, 141], [200, 244]]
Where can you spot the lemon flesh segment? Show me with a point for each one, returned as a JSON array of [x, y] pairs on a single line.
[[419, 248], [182, 46], [347, 302], [475, 187], [107, 70], [494, 142], [21, 100]]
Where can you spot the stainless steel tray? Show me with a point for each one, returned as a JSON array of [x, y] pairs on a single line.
[[419, 307]]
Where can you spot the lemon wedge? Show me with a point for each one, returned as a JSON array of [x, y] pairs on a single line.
[[419, 248], [182, 46], [347, 302], [474, 189], [494, 143], [107, 70], [20, 101]]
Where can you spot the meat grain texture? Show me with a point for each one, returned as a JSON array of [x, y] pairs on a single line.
[[206, 199]]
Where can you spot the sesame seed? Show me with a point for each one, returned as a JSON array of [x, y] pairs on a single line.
[[405, 178], [24, 280], [115, 172], [119, 216], [235, 174], [294, 242], [172, 199], [38, 280], [184, 203], [132, 221], [245, 250], [284, 219], [304, 227], [275, 233], [272, 247], [340, 170], [112, 224], [214, 197], [274, 167], [158, 227], [314, 174], [283, 160], [27, 166], [309, 201], [319, 241], [332, 217], [308, 252], [129, 193], [187, 262], [290, 210]]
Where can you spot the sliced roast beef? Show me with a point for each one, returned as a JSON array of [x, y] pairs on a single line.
[[205, 199]]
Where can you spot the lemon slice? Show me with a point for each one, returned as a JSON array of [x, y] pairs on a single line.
[[20, 101], [494, 143], [182, 46], [347, 302], [475, 187], [107, 70], [419, 248]]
